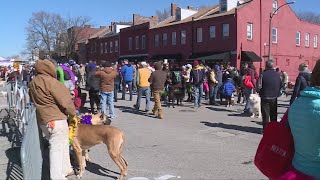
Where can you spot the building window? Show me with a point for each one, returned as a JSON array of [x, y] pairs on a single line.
[[130, 43], [199, 35], [164, 39], [174, 38], [275, 35], [287, 62], [183, 37], [212, 30], [111, 47], [249, 31], [116, 46], [225, 28], [101, 48], [298, 38], [143, 42], [275, 6], [223, 4], [307, 40], [137, 42], [156, 40], [105, 47], [315, 41]]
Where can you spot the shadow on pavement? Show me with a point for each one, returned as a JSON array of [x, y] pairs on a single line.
[[99, 170], [234, 127], [14, 169], [220, 109], [127, 109]]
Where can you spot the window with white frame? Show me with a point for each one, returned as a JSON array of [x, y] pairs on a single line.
[[199, 35], [130, 43], [137, 42], [105, 47], [275, 35], [174, 38], [143, 42], [315, 41], [156, 40], [307, 39], [164, 39], [274, 6], [212, 30], [249, 31], [183, 37], [116, 46], [298, 38], [225, 31], [101, 48], [111, 47]]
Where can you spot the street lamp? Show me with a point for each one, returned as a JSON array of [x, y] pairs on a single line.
[[270, 20]]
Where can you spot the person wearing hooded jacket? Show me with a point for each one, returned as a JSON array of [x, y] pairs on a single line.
[[197, 77], [127, 72], [54, 104], [107, 76], [302, 82], [93, 85]]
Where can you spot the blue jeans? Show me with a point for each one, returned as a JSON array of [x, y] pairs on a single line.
[[247, 93], [124, 89], [198, 92], [107, 97], [141, 91], [116, 90], [213, 92]]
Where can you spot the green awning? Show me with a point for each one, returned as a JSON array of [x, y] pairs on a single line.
[[214, 57], [250, 56]]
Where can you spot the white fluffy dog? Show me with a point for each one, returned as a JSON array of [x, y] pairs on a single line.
[[255, 105]]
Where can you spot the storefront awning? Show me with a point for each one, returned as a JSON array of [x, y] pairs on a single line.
[[225, 57], [250, 56], [132, 58], [169, 57]]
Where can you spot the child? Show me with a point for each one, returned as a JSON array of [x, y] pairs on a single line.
[[228, 89], [76, 100]]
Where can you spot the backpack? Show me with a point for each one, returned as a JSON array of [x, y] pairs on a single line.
[[176, 77], [248, 82]]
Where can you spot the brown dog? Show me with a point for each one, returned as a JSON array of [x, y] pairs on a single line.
[[87, 136]]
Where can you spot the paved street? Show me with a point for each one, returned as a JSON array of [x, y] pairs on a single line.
[[207, 143]]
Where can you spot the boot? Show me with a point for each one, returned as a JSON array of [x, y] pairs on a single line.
[[155, 112], [160, 114]]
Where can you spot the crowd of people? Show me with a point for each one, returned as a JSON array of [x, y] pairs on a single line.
[[56, 89]]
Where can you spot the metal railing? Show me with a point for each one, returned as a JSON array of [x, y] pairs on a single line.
[[24, 116]]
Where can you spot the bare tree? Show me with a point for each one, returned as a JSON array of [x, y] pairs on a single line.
[[48, 32], [163, 14], [310, 17]]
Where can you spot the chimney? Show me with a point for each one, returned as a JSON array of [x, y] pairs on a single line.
[[173, 9]]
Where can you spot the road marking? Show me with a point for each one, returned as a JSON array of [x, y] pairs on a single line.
[[164, 177]]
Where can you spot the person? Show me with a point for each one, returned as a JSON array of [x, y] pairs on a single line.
[[284, 82], [76, 101], [215, 78], [127, 72], [117, 82], [157, 80], [197, 78], [269, 85], [304, 122], [186, 77], [53, 104], [302, 81], [93, 86], [249, 85], [143, 84], [107, 76], [227, 90], [83, 74]]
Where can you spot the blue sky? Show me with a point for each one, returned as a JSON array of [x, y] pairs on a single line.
[[14, 14]]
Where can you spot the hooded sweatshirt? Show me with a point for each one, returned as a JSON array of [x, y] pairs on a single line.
[[107, 76], [127, 72], [158, 78], [302, 82], [51, 98]]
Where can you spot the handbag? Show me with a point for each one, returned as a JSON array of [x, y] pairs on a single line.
[[276, 149]]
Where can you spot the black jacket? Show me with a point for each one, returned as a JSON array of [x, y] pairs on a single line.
[[269, 84], [93, 82], [302, 82]]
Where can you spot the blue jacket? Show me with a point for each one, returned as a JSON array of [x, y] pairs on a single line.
[[304, 121], [127, 72], [228, 88]]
